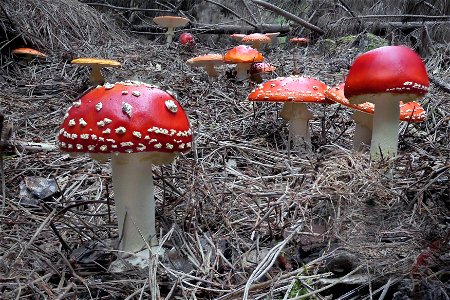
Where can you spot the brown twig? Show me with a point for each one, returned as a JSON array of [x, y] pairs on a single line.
[[129, 8], [233, 12]]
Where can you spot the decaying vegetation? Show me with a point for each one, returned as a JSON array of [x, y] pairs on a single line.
[[240, 219]]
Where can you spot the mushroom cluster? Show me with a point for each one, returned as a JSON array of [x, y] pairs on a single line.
[[385, 76], [137, 125]]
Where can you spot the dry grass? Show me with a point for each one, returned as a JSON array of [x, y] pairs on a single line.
[[236, 196]]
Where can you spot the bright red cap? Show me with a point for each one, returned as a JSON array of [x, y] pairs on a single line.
[[411, 111], [389, 69], [125, 117], [187, 39], [262, 67], [290, 89], [243, 54]]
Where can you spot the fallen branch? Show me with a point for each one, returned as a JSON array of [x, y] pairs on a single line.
[[232, 12], [217, 29], [401, 25], [289, 16], [423, 17]]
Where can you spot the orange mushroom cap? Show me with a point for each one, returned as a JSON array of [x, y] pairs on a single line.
[[291, 89], [170, 21], [243, 54], [207, 58], [299, 41], [29, 52], [411, 111], [256, 37]]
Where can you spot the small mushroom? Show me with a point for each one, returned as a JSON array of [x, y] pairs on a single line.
[[170, 22], [27, 54], [363, 115], [256, 39], [96, 64], [208, 62], [237, 37], [294, 92], [385, 76], [243, 56], [257, 69]]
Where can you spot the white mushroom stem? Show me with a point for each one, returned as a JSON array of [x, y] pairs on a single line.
[[298, 116], [242, 70], [169, 35], [363, 130], [134, 199], [385, 122]]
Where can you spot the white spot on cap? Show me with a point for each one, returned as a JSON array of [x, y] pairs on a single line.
[[171, 105], [136, 93], [108, 86], [126, 144], [137, 134], [72, 122], [91, 147], [77, 103], [79, 147], [127, 109], [103, 148], [120, 130], [82, 122], [124, 92], [159, 145], [169, 146], [106, 131], [98, 106]]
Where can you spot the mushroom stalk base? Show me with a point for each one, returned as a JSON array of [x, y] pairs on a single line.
[[169, 35], [135, 203], [242, 71], [385, 122], [96, 76], [298, 116], [363, 130]]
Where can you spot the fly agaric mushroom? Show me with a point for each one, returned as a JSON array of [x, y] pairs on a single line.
[[208, 62], [385, 76], [170, 22], [363, 115], [294, 92], [257, 69], [238, 36], [297, 41], [243, 56], [136, 125], [96, 64], [187, 39], [28, 54], [256, 39]]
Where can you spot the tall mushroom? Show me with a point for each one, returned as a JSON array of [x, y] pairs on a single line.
[[96, 64], [243, 56], [294, 92], [363, 115], [137, 125], [385, 76], [170, 22]]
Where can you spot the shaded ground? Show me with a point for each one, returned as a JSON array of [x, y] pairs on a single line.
[[236, 213]]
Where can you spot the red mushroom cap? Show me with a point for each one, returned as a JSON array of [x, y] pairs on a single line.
[[187, 38], [411, 111], [299, 41], [389, 69], [291, 89], [125, 117], [262, 67], [243, 54]]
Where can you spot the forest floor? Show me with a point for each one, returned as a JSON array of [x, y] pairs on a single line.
[[238, 216]]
